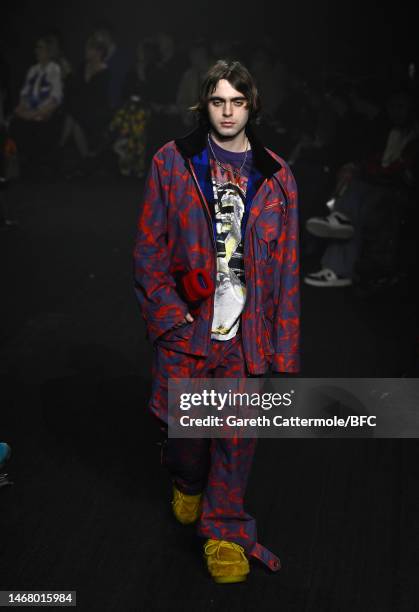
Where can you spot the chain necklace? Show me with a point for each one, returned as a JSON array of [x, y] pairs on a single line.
[[235, 171]]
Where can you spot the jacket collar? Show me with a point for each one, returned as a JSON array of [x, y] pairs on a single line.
[[196, 141]]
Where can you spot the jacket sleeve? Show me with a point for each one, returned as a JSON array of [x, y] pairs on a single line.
[[155, 288], [286, 324]]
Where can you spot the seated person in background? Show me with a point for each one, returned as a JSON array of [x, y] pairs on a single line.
[[118, 62], [88, 109], [360, 187], [129, 125], [137, 79], [36, 124]]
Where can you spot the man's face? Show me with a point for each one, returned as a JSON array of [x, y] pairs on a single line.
[[228, 110]]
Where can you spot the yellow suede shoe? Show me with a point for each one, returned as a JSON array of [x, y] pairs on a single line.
[[226, 561], [186, 508]]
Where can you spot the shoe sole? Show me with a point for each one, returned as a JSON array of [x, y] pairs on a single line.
[[336, 283], [229, 579], [323, 230], [188, 522]]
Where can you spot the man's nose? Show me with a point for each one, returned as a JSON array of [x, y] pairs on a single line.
[[228, 109]]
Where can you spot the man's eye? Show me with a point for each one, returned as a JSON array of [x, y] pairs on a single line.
[[238, 102], [216, 102]]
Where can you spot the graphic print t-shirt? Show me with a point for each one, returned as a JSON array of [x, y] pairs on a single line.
[[229, 208]]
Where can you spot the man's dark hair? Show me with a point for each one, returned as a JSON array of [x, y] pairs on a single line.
[[239, 77]]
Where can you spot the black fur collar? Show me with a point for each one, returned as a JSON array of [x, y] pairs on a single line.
[[196, 141]]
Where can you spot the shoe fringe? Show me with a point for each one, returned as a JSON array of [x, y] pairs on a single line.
[[214, 546]]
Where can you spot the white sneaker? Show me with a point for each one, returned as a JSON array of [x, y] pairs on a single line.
[[335, 225], [327, 278]]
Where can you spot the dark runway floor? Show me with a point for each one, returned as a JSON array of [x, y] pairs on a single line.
[[89, 510]]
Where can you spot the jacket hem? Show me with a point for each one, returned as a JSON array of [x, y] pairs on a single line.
[[286, 362]]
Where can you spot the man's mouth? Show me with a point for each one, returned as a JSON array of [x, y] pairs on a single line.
[[227, 123]]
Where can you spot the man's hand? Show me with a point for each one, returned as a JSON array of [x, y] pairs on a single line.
[[187, 319]]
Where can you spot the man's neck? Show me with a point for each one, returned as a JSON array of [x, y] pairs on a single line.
[[235, 144]]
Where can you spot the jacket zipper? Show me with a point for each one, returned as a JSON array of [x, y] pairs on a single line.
[[253, 262], [209, 220]]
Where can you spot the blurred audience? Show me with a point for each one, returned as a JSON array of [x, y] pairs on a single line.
[[137, 82], [190, 82], [129, 127], [269, 74], [117, 61], [327, 126], [59, 57], [87, 104], [37, 122], [360, 123], [163, 77], [370, 200]]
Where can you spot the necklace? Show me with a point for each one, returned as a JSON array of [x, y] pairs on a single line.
[[235, 171]]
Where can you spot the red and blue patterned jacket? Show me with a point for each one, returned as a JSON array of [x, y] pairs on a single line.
[[175, 235]]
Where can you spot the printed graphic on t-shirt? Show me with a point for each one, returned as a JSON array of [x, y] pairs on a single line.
[[230, 291]]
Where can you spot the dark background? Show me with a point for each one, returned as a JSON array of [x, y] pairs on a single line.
[[309, 35]]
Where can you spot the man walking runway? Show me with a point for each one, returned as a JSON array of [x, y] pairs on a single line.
[[217, 200]]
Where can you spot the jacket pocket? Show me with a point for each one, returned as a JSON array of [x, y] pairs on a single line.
[[268, 228], [184, 332]]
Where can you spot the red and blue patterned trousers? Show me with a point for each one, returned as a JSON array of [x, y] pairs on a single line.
[[218, 467]]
